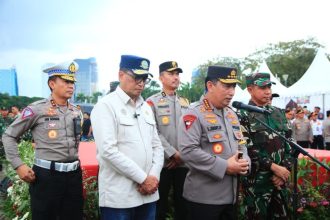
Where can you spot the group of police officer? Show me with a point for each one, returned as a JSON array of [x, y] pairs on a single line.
[[207, 146]]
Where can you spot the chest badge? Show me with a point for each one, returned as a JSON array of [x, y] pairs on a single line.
[[217, 148], [217, 136], [165, 120], [52, 134], [212, 120]]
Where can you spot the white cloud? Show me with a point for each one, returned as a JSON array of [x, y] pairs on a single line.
[[189, 32]]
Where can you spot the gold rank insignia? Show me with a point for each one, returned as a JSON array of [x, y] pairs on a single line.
[[207, 104], [230, 115], [234, 122], [210, 116], [51, 111], [212, 120], [165, 120], [217, 148], [52, 134]]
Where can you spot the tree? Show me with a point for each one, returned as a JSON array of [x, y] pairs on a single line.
[[20, 101], [150, 89], [95, 97], [292, 58], [80, 97]]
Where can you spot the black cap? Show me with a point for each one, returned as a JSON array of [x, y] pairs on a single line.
[[224, 74], [169, 66]]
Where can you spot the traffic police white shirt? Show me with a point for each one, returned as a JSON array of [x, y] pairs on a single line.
[[128, 149]]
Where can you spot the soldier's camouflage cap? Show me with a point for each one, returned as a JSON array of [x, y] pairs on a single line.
[[259, 79], [65, 70]]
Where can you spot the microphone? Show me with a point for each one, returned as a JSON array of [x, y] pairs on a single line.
[[250, 108], [136, 115]]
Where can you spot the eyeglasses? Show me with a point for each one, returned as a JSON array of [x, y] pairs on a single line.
[[138, 79]]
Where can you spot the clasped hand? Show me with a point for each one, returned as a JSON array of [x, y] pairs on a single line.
[[149, 186]]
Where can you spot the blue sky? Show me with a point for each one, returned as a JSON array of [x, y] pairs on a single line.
[[36, 32]]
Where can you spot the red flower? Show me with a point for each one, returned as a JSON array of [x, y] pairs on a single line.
[[300, 210], [313, 204]]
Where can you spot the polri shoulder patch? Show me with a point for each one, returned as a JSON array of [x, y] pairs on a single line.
[[150, 103], [189, 120], [27, 112]]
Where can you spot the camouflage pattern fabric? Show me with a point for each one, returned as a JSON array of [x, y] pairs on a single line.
[[261, 199]]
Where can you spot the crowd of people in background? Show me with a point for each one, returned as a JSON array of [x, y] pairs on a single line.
[[311, 129]]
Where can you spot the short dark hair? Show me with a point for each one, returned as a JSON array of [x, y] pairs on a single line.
[[328, 113], [52, 78], [317, 107], [213, 80], [87, 113]]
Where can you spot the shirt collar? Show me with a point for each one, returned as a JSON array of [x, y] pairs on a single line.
[[126, 99]]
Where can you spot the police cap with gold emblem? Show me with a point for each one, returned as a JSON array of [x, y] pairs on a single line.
[[65, 70], [169, 66], [224, 74], [138, 65], [259, 79]]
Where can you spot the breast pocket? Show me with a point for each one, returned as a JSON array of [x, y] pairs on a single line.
[[219, 143], [127, 130], [53, 129]]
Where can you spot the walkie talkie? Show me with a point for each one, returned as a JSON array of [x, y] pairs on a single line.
[[240, 155], [77, 129]]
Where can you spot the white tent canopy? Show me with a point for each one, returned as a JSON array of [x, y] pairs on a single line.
[[313, 88], [316, 79], [278, 87], [241, 95]]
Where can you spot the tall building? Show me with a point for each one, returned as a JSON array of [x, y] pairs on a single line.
[[8, 81], [87, 76]]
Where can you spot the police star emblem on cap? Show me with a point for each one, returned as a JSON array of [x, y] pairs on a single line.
[[65, 70]]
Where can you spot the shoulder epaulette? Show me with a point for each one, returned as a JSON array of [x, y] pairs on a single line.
[[42, 101]]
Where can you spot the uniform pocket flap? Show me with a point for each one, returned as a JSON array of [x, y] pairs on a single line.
[[216, 136], [126, 121]]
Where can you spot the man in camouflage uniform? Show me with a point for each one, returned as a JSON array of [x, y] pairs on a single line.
[[168, 108], [265, 194], [4, 122], [210, 138]]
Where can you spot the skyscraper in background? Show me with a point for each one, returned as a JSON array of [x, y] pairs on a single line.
[[8, 81], [87, 76]]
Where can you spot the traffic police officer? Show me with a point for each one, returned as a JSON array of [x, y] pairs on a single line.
[[55, 179], [168, 108], [210, 138]]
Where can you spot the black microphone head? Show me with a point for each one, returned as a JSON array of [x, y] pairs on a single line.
[[237, 104]]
